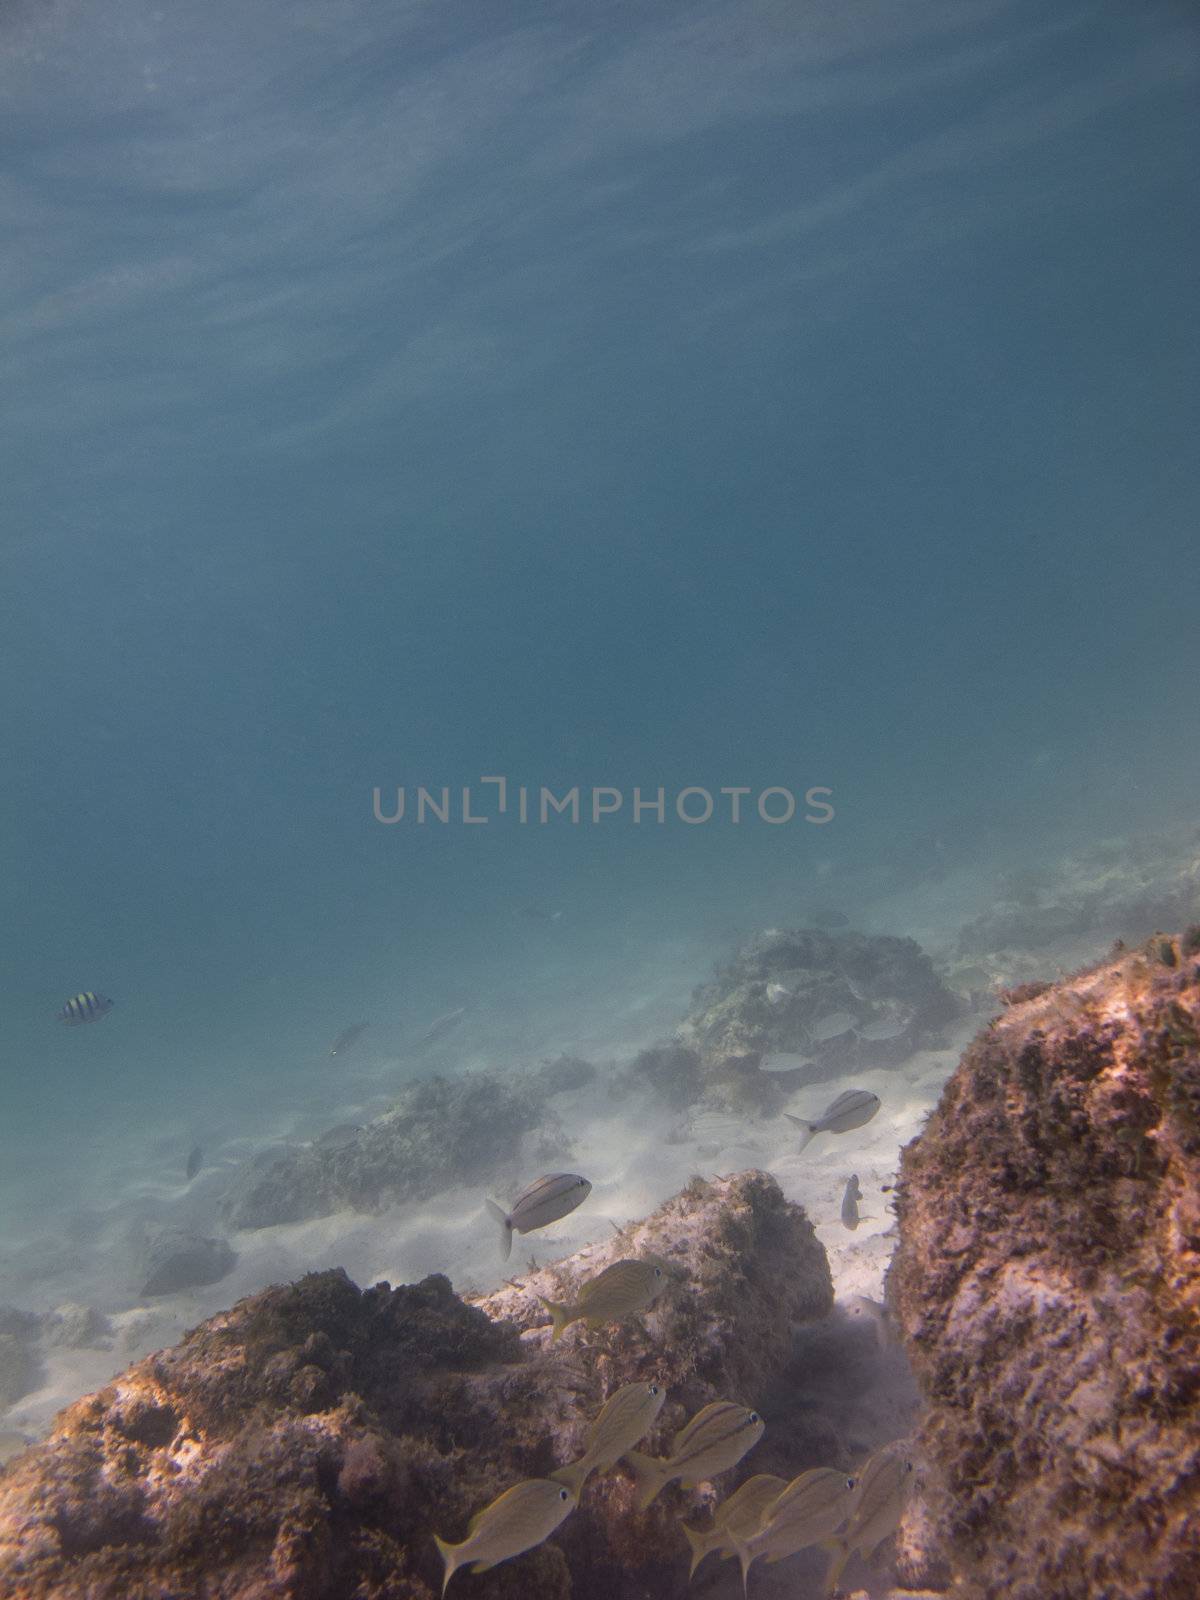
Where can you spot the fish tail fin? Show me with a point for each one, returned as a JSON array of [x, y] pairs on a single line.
[[839, 1550], [506, 1232], [560, 1316], [574, 1475], [648, 1477], [698, 1544], [449, 1555], [808, 1131], [745, 1560]]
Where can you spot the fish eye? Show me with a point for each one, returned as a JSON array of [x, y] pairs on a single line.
[[850, 1482], [658, 1272], [562, 1494], [654, 1388], [754, 1416]]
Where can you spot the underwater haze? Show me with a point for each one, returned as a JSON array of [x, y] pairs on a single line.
[[792, 399]]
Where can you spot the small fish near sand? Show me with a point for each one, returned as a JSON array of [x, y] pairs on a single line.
[[346, 1038], [548, 1199], [86, 1007], [625, 1418], [875, 1510], [620, 1290], [737, 1517], [851, 1216], [195, 1161], [441, 1026], [520, 1518], [808, 1510], [851, 1109], [714, 1440]]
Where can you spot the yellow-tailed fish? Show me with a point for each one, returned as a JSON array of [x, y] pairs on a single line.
[[875, 1510], [514, 1522], [625, 1417], [739, 1515], [620, 1290], [713, 1441], [86, 1007], [807, 1511]]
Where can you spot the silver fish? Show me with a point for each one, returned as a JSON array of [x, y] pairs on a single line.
[[851, 1109], [784, 1061], [875, 1511], [546, 1200], [514, 1522], [442, 1025], [625, 1417], [195, 1161], [832, 1026], [714, 1440], [739, 1515], [850, 1213]]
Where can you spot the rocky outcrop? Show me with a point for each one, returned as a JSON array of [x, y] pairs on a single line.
[[308, 1443], [175, 1259], [440, 1130], [835, 1000], [1047, 1283]]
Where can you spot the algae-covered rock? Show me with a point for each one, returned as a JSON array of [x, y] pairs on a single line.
[[831, 1000], [310, 1441], [175, 1259], [440, 1130], [1047, 1283]]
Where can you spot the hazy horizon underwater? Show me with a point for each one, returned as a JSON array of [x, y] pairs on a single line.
[[724, 472]]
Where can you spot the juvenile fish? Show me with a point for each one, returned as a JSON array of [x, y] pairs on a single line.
[[86, 1007], [545, 1201], [514, 1522], [808, 1510], [875, 1511], [851, 1109], [195, 1161], [620, 1290], [739, 1515], [346, 1038], [713, 1441], [863, 1309], [625, 1417], [442, 1025], [851, 1217]]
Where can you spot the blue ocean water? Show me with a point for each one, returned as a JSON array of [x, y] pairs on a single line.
[[725, 394]]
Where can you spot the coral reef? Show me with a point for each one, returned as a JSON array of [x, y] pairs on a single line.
[[439, 1131], [309, 1442], [836, 1000], [1047, 1283]]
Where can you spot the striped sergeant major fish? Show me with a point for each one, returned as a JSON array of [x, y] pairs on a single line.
[[86, 1007]]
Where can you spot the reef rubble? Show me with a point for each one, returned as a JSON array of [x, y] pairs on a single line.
[[308, 1442], [439, 1131], [1047, 1285]]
